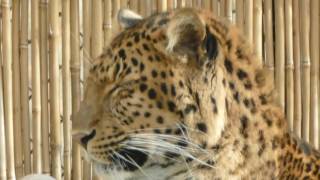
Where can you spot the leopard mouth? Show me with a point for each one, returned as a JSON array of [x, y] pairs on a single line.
[[129, 160], [123, 160]]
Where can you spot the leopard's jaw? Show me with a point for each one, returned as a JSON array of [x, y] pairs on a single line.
[[152, 171]]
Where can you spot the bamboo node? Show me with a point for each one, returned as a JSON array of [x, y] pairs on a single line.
[[5, 4], [107, 26]]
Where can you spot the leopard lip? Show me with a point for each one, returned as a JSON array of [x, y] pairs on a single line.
[[135, 158]]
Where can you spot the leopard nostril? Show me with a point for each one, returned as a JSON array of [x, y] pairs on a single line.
[[84, 140]]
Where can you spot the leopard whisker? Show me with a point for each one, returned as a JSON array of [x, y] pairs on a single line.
[[163, 146]]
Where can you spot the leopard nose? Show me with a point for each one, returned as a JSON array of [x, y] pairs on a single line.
[[84, 138]]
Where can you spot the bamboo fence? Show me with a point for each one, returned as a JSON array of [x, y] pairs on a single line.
[[47, 47]]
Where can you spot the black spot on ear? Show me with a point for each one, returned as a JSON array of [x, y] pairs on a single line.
[[211, 45]]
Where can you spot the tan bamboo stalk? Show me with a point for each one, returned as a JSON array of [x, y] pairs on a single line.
[[86, 169], [7, 89], [239, 14], [75, 81], [314, 91], [124, 3], [280, 51], [44, 86], [149, 8], [143, 8], [66, 88], [107, 26], [248, 19], [97, 28], [134, 5], [86, 10], [289, 63], [228, 10], [257, 27], [36, 99], [97, 44], [170, 4], [162, 5], [16, 89], [115, 9], [297, 74], [215, 7], [194, 3], [188, 3], [25, 86], [55, 35], [222, 8], [304, 30], [206, 4], [182, 3], [269, 54], [3, 163]]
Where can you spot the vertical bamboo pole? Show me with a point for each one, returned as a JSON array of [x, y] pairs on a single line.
[[97, 45], [142, 8], [257, 27], [280, 51], [189, 3], [36, 99], [162, 5], [134, 5], [222, 8], [3, 167], [86, 169], [289, 63], [304, 30], [54, 88], [16, 89], [97, 28], [44, 85], [75, 81], [182, 3], [170, 4], [215, 7], [248, 19], [314, 112], [124, 3], [269, 58], [25, 86], [228, 10], [149, 5], [297, 75], [115, 9], [86, 10], [206, 4], [7, 89], [107, 26], [66, 88], [239, 14]]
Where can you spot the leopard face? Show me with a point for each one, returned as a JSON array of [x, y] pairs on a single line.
[[181, 95], [135, 113]]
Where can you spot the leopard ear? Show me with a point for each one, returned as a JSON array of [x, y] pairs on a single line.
[[186, 35], [128, 18]]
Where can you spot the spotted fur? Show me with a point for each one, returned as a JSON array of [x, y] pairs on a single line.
[[181, 95]]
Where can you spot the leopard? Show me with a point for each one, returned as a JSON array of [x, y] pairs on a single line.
[[183, 95]]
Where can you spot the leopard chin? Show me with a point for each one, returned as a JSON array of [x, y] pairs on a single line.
[[153, 169]]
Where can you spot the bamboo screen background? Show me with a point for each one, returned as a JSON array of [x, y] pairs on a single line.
[[45, 52]]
